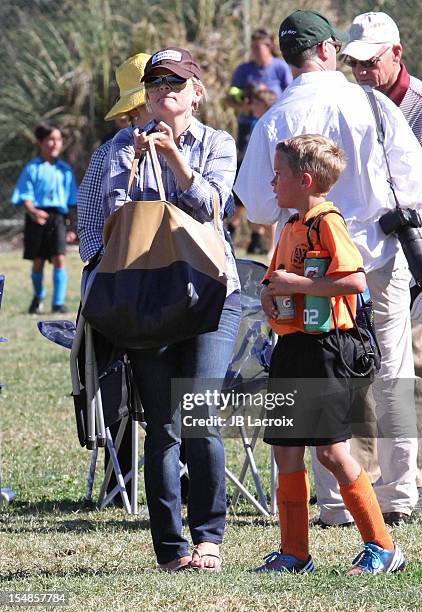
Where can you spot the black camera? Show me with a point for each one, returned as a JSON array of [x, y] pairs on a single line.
[[407, 224]]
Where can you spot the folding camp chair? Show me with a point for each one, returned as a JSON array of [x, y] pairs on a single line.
[[92, 424], [248, 373], [103, 396]]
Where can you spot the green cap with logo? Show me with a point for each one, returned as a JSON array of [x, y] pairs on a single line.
[[305, 29]]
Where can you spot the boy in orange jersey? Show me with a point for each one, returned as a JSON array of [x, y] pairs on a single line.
[[306, 167]]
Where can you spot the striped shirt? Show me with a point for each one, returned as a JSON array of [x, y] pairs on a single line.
[[411, 107], [90, 209], [406, 93], [211, 154]]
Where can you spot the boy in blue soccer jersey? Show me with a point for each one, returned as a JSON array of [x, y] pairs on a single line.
[[46, 188]]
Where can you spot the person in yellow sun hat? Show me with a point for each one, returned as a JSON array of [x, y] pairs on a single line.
[[131, 102], [132, 91]]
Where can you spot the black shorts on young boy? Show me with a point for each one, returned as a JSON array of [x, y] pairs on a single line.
[[45, 241], [309, 367]]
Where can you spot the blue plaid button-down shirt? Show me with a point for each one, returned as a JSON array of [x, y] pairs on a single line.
[[90, 208], [210, 153]]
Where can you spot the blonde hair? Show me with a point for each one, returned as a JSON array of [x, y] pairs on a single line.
[[321, 157], [198, 84]]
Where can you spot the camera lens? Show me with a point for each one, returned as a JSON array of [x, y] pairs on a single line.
[[411, 242], [390, 222]]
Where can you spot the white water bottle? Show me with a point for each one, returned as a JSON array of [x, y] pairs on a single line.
[[285, 305]]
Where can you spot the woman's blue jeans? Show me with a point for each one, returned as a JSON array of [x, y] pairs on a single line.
[[205, 356]]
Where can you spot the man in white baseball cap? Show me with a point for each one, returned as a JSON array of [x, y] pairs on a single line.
[[369, 34], [374, 54]]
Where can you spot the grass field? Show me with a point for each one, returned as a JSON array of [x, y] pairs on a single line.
[[104, 559]]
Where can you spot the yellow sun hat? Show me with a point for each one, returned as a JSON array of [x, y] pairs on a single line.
[[132, 91]]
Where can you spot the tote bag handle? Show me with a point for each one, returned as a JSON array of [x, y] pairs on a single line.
[[158, 177], [155, 166]]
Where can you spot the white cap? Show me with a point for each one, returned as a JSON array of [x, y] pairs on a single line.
[[369, 33]]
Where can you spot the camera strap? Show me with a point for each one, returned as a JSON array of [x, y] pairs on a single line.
[[381, 134]]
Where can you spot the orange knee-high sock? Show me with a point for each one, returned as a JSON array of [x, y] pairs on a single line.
[[360, 500], [293, 508]]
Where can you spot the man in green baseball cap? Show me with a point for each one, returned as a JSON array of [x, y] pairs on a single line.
[[305, 29]]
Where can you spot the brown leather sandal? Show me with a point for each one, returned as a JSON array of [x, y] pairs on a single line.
[[198, 553], [177, 568]]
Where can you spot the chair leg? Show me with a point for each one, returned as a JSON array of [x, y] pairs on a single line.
[[91, 476], [249, 448], [109, 469], [246, 493], [119, 476], [254, 469], [135, 452]]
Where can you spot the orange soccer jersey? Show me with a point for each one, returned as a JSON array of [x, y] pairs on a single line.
[[290, 254]]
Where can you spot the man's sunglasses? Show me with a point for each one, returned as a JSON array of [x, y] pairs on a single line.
[[371, 63], [175, 82], [335, 44]]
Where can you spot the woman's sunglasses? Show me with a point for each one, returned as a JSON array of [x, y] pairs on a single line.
[[176, 83]]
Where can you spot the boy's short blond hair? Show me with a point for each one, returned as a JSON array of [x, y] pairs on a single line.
[[321, 157]]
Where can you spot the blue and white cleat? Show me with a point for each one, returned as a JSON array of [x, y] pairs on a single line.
[[277, 562], [375, 560]]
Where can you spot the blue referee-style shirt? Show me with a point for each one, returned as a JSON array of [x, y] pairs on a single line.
[[46, 185]]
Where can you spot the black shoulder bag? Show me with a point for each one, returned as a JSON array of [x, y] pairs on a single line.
[[367, 354]]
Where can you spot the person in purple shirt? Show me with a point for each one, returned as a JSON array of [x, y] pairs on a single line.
[[270, 72], [263, 69]]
